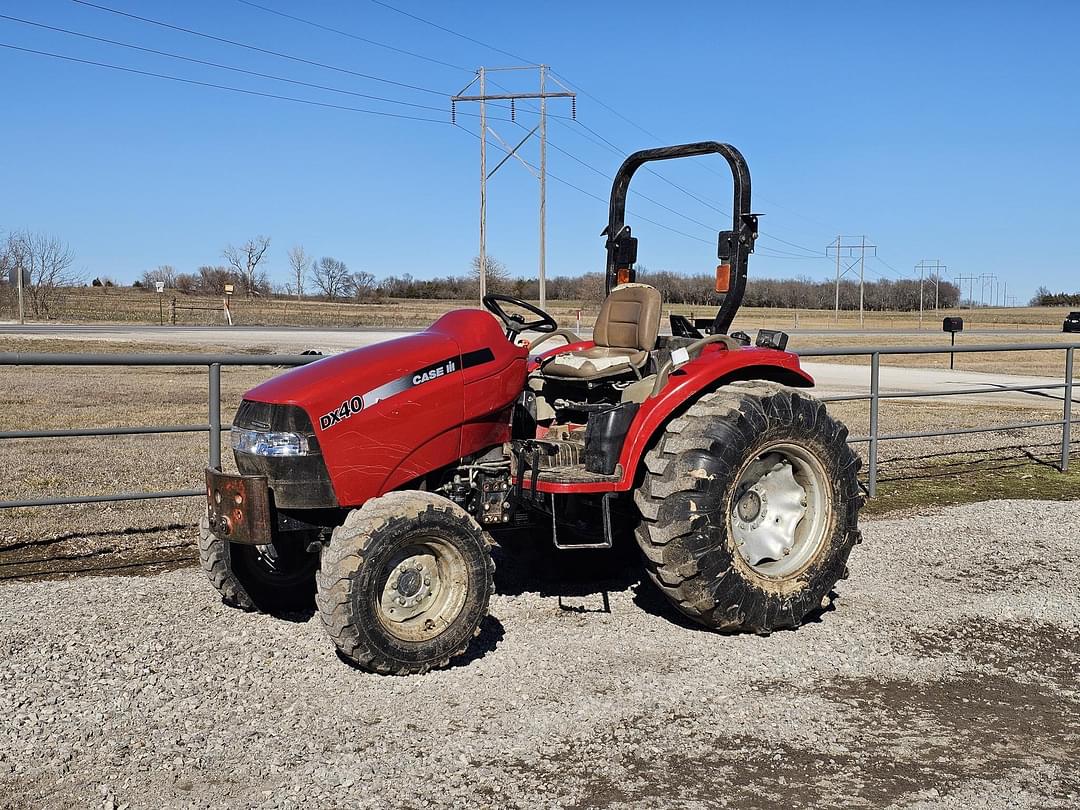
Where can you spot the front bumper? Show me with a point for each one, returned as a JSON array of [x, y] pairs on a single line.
[[238, 507]]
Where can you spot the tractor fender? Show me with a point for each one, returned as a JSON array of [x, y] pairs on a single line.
[[716, 366]]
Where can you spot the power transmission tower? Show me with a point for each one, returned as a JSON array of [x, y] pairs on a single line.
[[986, 280], [483, 97], [851, 247], [971, 288], [935, 269]]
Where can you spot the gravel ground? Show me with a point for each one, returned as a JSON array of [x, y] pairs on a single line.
[[944, 677]]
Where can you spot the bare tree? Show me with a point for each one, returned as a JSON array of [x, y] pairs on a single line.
[[498, 277], [46, 264], [331, 276], [213, 279], [246, 260], [360, 285], [163, 272], [299, 261]]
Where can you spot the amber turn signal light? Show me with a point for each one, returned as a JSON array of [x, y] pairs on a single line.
[[723, 278], [623, 276]]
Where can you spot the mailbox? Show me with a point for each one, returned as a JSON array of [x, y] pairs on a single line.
[[953, 325]]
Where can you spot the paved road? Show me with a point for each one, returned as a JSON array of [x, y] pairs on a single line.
[[831, 378], [837, 379], [278, 337]]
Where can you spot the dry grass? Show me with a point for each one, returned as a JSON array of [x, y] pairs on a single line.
[[126, 305]]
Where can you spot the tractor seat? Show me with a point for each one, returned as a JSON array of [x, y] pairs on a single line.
[[624, 334]]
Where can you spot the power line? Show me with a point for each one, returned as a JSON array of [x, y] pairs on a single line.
[[814, 253], [862, 247], [453, 32], [351, 35], [302, 60], [221, 86], [596, 197], [257, 49], [615, 148], [232, 68], [654, 136]]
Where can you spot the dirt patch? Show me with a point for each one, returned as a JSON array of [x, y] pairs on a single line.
[[137, 552], [1028, 651], [902, 741]]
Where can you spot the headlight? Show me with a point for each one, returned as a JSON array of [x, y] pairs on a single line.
[[268, 443]]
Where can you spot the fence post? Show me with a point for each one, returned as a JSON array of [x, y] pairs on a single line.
[[875, 388], [1066, 421], [172, 311], [214, 401]]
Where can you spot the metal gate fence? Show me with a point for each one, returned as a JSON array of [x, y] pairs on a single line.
[[214, 363], [875, 396]]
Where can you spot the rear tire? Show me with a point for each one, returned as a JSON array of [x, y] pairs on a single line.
[[750, 508], [405, 583], [259, 578]]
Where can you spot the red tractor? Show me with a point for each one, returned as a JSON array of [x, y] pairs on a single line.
[[375, 479]]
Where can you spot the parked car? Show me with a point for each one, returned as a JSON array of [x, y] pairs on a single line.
[[1072, 322]]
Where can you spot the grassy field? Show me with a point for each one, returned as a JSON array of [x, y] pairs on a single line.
[[127, 305]]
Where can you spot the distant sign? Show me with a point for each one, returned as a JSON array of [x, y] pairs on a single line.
[[228, 289], [159, 286]]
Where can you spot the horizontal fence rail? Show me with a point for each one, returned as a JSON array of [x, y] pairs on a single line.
[[875, 396], [213, 363]]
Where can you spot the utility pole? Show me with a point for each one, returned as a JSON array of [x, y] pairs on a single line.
[[935, 268], [862, 277], [836, 317], [512, 152], [984, 280], [960, 279], [19, 275], [483, 186], [840, 247], [543, 189]]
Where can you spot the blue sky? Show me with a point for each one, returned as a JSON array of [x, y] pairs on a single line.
[[941, 130]]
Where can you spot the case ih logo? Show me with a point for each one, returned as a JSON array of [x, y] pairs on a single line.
[[343, 411], [429, 374], [450, 365]]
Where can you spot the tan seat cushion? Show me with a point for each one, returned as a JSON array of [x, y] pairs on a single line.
[[595, 362], [629, 318], [624, 334]]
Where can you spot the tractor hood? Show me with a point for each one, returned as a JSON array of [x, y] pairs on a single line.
[[460, 341], [384, 414]]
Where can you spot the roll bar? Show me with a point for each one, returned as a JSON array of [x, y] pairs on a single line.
[[733, 247]]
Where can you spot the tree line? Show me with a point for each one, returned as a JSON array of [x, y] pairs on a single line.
[[678, 288], [47, 266], [1044, 298]]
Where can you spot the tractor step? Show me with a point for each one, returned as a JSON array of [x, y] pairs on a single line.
[[575, 474], [605, 509]]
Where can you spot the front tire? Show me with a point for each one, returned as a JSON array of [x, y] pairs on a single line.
[[749, 508], [405, 583], [267, 579]]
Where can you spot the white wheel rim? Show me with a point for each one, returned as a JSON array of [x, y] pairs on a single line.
[[423, 590], [780, 510]]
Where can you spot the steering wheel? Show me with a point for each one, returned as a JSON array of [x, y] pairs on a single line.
[[516, 323]]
